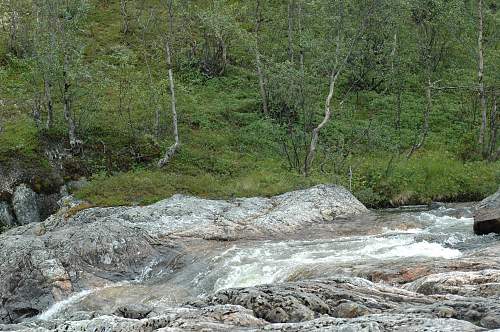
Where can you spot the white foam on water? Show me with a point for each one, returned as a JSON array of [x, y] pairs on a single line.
[[422, 249], [61, 305], [58, 307], [403, 231], [274, 261], [445, 223]]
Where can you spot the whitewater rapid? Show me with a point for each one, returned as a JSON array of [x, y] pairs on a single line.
[[437, 234], [270, 262]]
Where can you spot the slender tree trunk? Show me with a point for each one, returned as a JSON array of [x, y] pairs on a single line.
[[480, 75], [290, 30], [124, 13], [73, 139], [14, 27], [262, 82], [224, 55], [396, 88], [299, 26], [173, 148], [425, 125], [302, 100], [50, 104], [260, 73], [36, 109], [493, 127], [315, 133]]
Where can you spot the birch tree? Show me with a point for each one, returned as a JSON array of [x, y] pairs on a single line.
[[493, 129], [347, 32], [45, 53], [168, 39], [480, 74], [217, 28], [258, 62], [431, 20], [125, 16], [58, 54], [15, 21]]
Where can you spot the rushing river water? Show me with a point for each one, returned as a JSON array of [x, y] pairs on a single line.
[[394, 237]]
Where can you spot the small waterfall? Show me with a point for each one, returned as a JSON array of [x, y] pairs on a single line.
[[58, 307]]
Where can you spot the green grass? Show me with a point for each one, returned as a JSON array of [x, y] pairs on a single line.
[[19, 138], [416, 181], [425, 178], [148, 186]]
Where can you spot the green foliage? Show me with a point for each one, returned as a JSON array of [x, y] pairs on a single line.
[[429, 177], [19, 138], [118, 83]]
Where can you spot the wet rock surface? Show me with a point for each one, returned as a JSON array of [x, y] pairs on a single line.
[[311, 260], [484, 283], [487, 215], [354, 297]]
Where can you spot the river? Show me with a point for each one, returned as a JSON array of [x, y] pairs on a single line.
[[365, 246]]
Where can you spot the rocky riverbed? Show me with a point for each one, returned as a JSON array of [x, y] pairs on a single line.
[[310, 260]]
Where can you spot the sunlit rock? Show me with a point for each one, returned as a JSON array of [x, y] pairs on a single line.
[[25, 205]]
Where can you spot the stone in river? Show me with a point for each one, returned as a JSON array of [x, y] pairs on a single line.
[[487, 215]]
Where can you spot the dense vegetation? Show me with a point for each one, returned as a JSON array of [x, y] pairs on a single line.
[[394, 99]]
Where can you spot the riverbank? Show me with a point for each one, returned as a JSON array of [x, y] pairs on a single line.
[[422, 180]]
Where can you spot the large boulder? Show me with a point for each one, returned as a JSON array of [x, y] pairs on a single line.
[[487, 215], [6, 218], [13, 173], [25, 205]]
